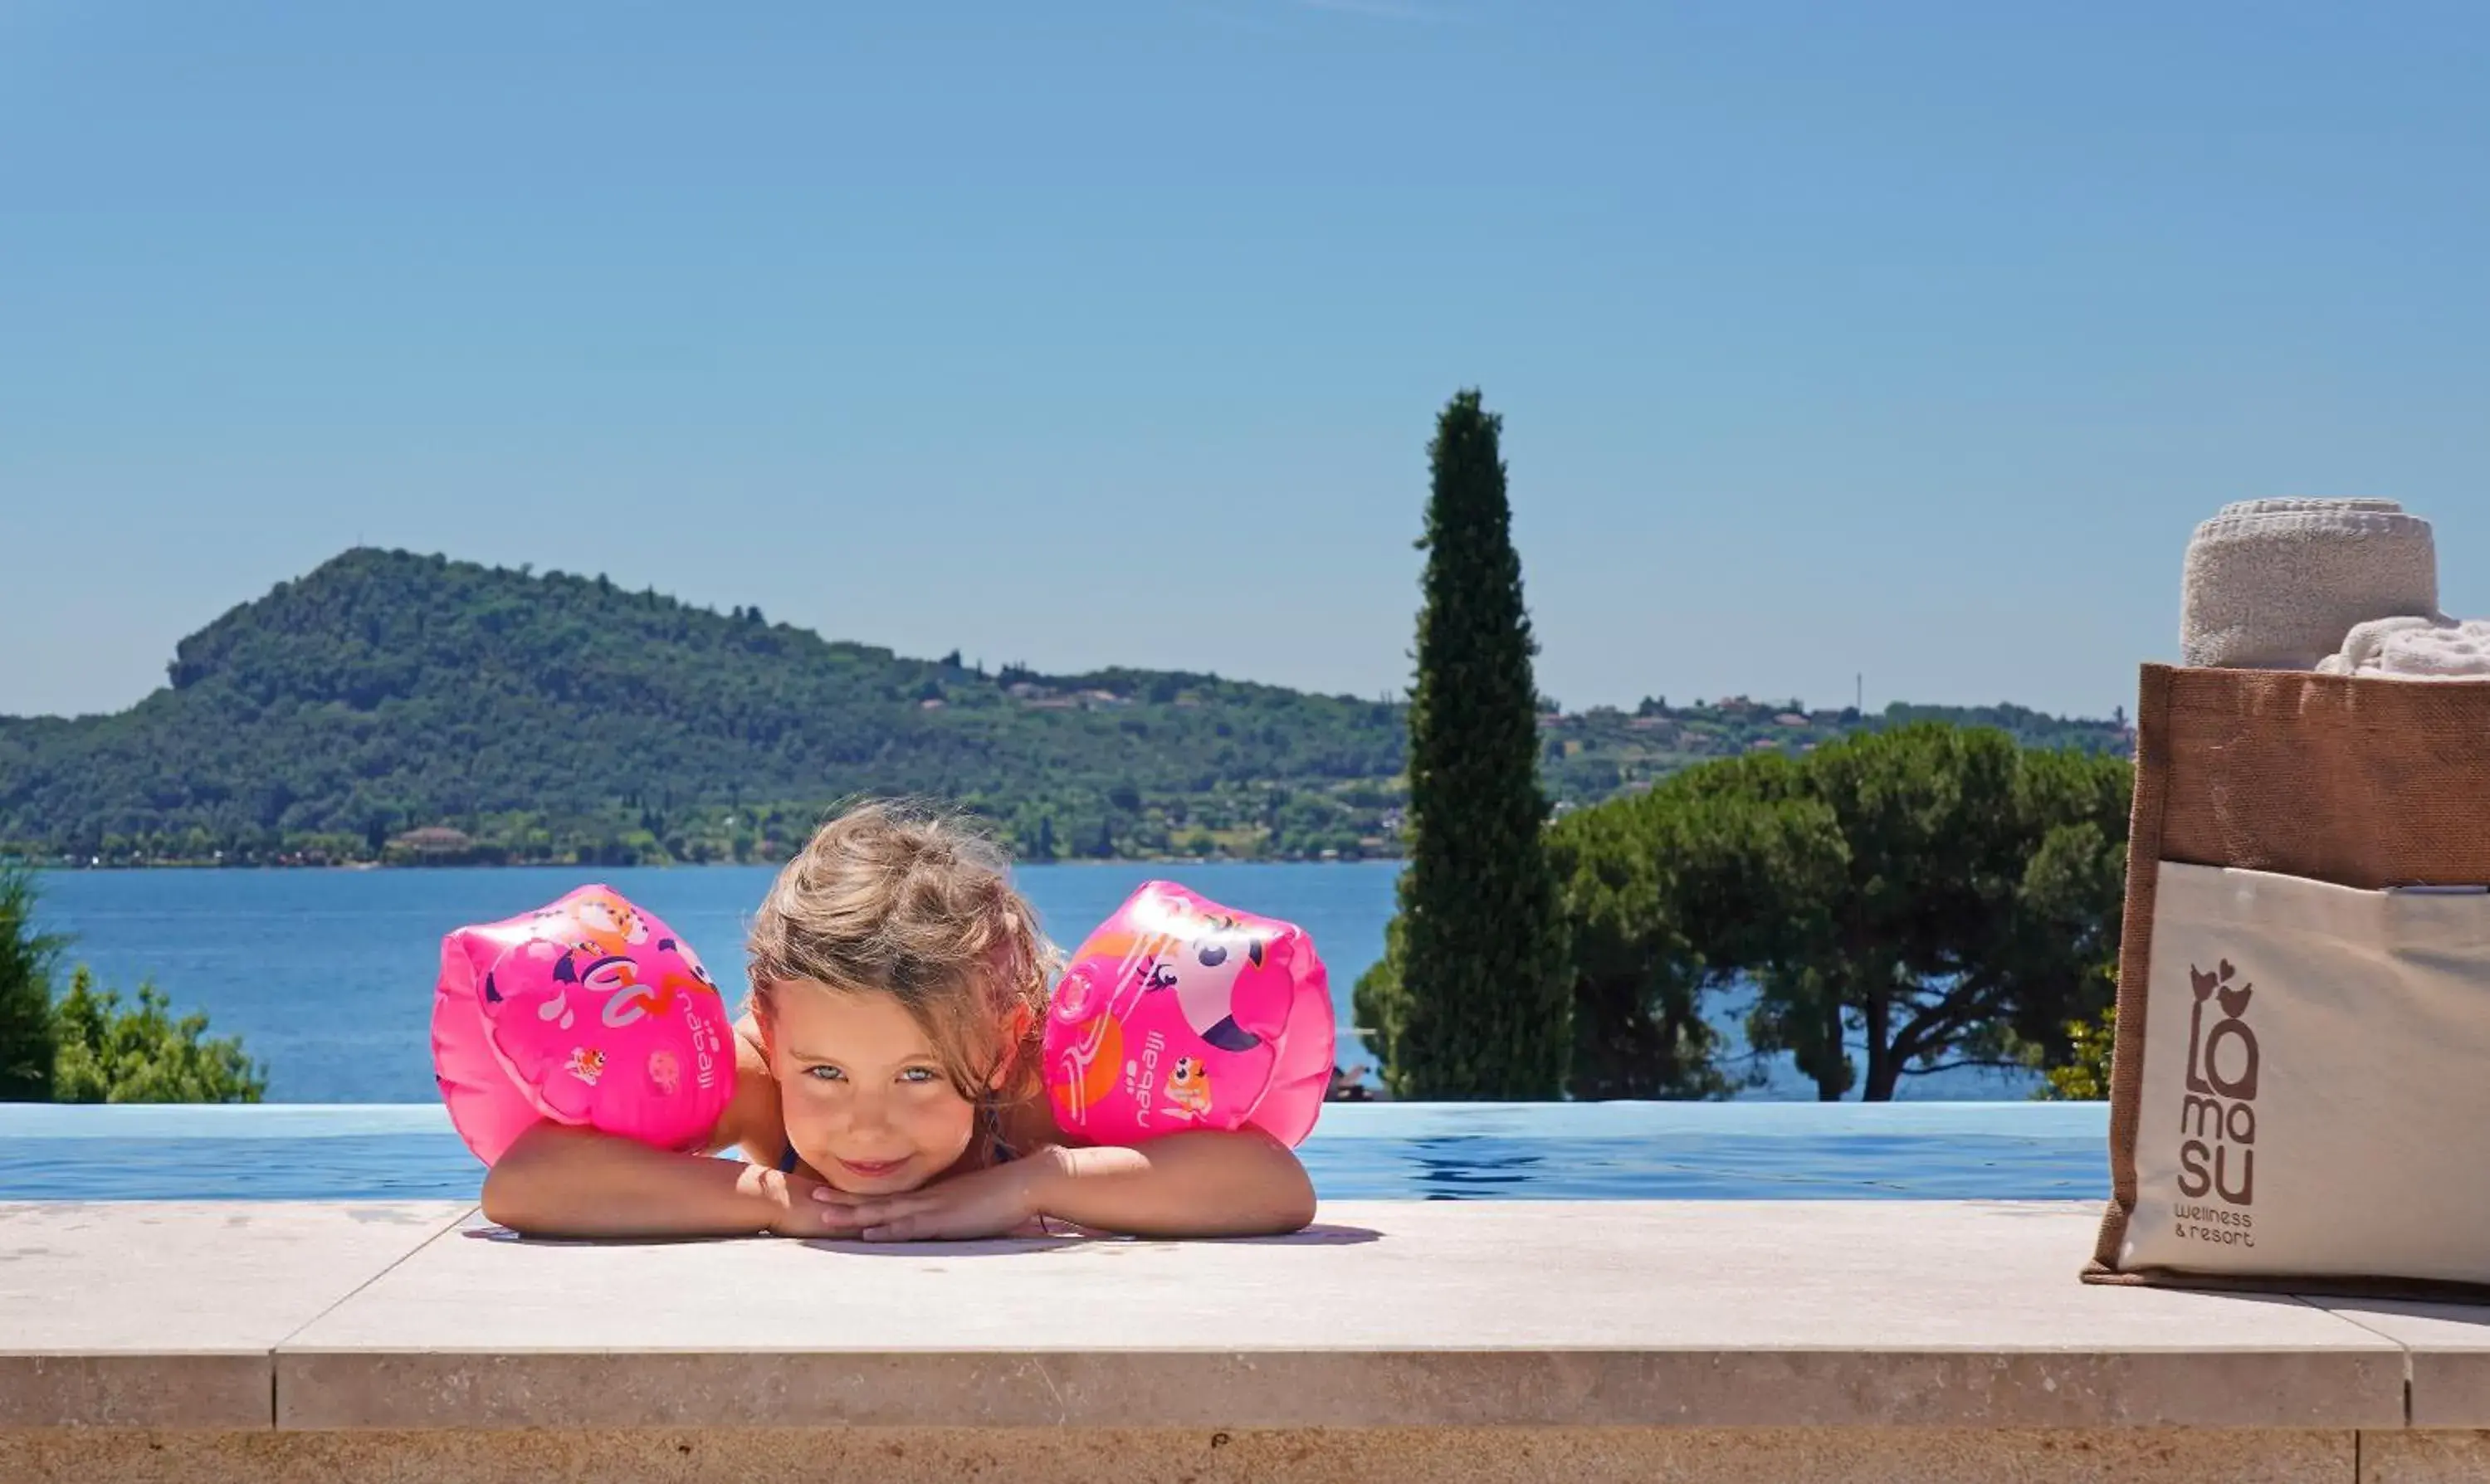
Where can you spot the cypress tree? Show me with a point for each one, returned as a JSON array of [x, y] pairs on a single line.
[[1472, 998]]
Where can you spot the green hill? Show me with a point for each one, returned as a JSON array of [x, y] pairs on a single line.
[[1594, 754], [506, 715], [408, 708]]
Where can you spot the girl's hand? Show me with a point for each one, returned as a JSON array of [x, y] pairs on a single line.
[[995, 1201], [815, 1209]]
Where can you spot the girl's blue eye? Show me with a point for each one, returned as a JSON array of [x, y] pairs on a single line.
[[822, 1073], [918, 1074]]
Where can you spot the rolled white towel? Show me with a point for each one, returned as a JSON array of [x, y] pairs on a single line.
[[2270, 506], [2279, 583]]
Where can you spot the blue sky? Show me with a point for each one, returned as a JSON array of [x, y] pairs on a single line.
[[1902, 338]]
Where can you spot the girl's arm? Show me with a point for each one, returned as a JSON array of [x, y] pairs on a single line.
[[561, 1181], [1188, 1184], [1245, 1183]]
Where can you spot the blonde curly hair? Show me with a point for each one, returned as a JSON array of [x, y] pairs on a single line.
[[897, 898]]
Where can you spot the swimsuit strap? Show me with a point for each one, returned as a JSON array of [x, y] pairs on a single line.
[[993, 1121]]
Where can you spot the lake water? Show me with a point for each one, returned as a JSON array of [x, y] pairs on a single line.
[[328, 976]]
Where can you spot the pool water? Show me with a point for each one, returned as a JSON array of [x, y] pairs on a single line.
[[1580, 1151]]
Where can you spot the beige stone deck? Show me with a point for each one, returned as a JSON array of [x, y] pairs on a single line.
[[1397, 1340]]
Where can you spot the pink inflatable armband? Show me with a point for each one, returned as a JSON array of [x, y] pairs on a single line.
[[1178, 1013], [589, 1012]]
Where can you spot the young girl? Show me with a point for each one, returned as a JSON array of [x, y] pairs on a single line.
[[889, 1086]]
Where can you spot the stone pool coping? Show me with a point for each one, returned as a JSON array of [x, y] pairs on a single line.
[[1525, 1341], [379, 1315]]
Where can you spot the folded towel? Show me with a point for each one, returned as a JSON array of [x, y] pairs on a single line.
[[2438, 649], [2279, 583]]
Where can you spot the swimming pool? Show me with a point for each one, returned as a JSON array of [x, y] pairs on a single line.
[[1417, 1151]]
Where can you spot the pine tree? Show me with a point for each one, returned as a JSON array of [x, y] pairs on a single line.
[[1472, 999], [110, 1053], [26, 960]]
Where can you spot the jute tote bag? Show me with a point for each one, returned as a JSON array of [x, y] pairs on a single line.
[[2300, 1094]]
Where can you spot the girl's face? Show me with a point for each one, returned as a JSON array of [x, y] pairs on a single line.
[[865, 1098]]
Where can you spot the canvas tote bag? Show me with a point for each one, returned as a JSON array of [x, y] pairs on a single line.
[[2300, 1090]]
